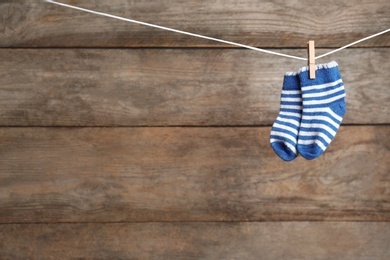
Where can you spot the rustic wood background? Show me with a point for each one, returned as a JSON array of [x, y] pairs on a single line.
[[119, 141]]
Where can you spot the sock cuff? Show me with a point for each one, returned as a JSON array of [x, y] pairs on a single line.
[[327, 72], [329, 65], [291, 81]]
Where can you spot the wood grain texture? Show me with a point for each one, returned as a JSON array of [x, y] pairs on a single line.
[[333, 23], [146, 87], [188, 174], [108, 192], [260, 241]]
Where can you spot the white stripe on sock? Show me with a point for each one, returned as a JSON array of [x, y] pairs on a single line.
[[322, 118], [288, 99], [285, 135], [292, 148], [287, 120], [298, 115], [327, 85], [323, 110], [324, 101], [324, 93], [287, 128], [291, 92], [291, 107], [309, 142], [316, 134], [322, 126]]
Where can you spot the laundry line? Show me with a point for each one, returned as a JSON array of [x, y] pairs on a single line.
[[212, 38]]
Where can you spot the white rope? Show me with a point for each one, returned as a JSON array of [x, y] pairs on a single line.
[[176, 31], [211, 38], [353, 43]]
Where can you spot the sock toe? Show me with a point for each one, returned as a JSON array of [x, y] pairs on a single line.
[[310, 152], [283, 151]]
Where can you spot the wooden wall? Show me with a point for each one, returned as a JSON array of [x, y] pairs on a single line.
[[118, 141]]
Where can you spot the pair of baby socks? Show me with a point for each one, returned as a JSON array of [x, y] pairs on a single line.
[[311, 111]]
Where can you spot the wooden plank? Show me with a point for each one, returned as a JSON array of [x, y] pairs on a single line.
[[144, 87], [34, 23], [188, 174], [291, 240]]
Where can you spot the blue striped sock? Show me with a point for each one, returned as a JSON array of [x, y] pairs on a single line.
[[284, 132], [323, 109]]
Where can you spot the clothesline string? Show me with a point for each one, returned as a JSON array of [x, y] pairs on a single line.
[[176, 31], [353, 43], [211, 38]]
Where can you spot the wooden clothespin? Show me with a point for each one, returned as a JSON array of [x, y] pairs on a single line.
[[311, 59]]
